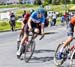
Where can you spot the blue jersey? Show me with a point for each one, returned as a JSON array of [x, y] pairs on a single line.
[[35, 19]]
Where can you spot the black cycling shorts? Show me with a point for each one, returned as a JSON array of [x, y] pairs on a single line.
[[70, 29], [33, 25]]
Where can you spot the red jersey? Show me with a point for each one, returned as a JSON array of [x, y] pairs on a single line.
[[72, 20], [26, 17]]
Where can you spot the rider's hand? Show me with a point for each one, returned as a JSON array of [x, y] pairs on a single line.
[[30, 29], [42, 34]]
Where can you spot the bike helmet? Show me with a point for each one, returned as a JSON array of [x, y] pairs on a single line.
[[31, 11], [41, 10]]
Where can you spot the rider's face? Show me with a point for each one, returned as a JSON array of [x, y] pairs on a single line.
[[39, 15]]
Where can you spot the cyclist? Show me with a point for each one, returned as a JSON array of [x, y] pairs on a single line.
[[70, 35], [35, 19], [45, 14], [43, 10], [25, 19]]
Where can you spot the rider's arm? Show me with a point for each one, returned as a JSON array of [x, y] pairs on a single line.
[[42, 28], [29, 23], [22, 25], [31, 19], [34, 20], [42, 25], [23, 22]]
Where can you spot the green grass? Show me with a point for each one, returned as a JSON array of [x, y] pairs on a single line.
[[5, 26]]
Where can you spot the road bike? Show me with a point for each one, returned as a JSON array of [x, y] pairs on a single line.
[[28, 49], [67, 55]]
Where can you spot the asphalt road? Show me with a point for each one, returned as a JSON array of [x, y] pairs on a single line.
[[44, 52]]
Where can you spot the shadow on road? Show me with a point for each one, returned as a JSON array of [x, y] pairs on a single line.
[[46, 33], [42, 59], [43, 51]]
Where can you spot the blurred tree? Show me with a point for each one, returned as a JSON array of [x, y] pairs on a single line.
[[67, 1], [73, 1], [50, 1], [20, 1], [56, 2], [45, 2], [37, 2]]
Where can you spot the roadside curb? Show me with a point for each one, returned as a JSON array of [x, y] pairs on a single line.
[[9, 30]]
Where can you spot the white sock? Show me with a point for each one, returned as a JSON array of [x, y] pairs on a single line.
[[62, 49], [18, 52]]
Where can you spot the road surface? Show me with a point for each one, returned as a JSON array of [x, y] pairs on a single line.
[[44, 52]]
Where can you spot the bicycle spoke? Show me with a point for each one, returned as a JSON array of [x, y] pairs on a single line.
[[29, 51]]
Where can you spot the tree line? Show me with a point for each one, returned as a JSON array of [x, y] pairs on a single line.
[[54, 2]]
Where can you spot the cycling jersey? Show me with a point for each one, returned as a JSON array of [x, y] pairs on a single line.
[[70, 29], [72, 20], [70, 26], [35, 19], [35, 22], [26, 17]]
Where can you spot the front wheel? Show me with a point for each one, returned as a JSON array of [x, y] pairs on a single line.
[[58, 61], [72, 61], [18, 44], [29, 50]]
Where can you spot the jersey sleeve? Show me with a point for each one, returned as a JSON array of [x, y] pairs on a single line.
[[42, 20], [34, 18], [33, 15]]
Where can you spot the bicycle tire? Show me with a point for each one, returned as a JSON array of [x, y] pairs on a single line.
[[55, 58], [27, 58], [18, 44], [71, 59]]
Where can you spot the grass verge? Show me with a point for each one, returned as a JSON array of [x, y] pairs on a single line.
[[4, 26]]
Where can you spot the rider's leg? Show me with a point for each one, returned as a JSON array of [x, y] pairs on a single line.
[[19, 52], [14, 25], [21, 32], [67, 42], [36, 31], [20, 35], [24, 38], [70, 36]]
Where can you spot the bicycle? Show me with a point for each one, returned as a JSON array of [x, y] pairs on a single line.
[[68, 54], [28, 49]]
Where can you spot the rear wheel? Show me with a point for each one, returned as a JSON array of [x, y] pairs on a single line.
[[29, 50]]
